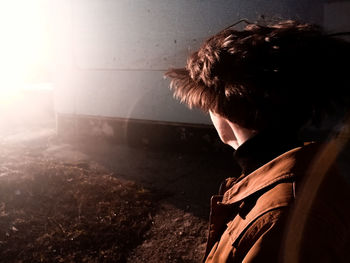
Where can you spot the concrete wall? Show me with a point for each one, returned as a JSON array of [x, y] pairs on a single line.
[[111, 55]]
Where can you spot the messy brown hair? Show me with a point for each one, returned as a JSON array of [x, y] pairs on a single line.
[[281, 74]]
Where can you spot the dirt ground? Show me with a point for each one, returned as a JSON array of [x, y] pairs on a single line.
[[101, 202]]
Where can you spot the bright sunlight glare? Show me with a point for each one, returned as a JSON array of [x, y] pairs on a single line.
[[24, 47]]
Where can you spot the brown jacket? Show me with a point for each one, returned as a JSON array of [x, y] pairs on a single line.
[[248, 221]]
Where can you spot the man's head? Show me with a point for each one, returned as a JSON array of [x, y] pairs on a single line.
[[265, 76]]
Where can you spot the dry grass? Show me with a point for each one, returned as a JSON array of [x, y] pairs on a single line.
[[57, 212]]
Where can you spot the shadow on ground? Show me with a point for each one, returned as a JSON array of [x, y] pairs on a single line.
[[187, 180]]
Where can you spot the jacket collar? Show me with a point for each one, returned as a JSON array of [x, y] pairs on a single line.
[[283, 167]]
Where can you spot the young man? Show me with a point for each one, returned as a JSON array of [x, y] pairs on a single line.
[[261, 85]]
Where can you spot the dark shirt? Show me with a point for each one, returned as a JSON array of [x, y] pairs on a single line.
[[262, 148]]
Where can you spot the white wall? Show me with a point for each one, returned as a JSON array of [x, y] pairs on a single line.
[[112, 54]]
